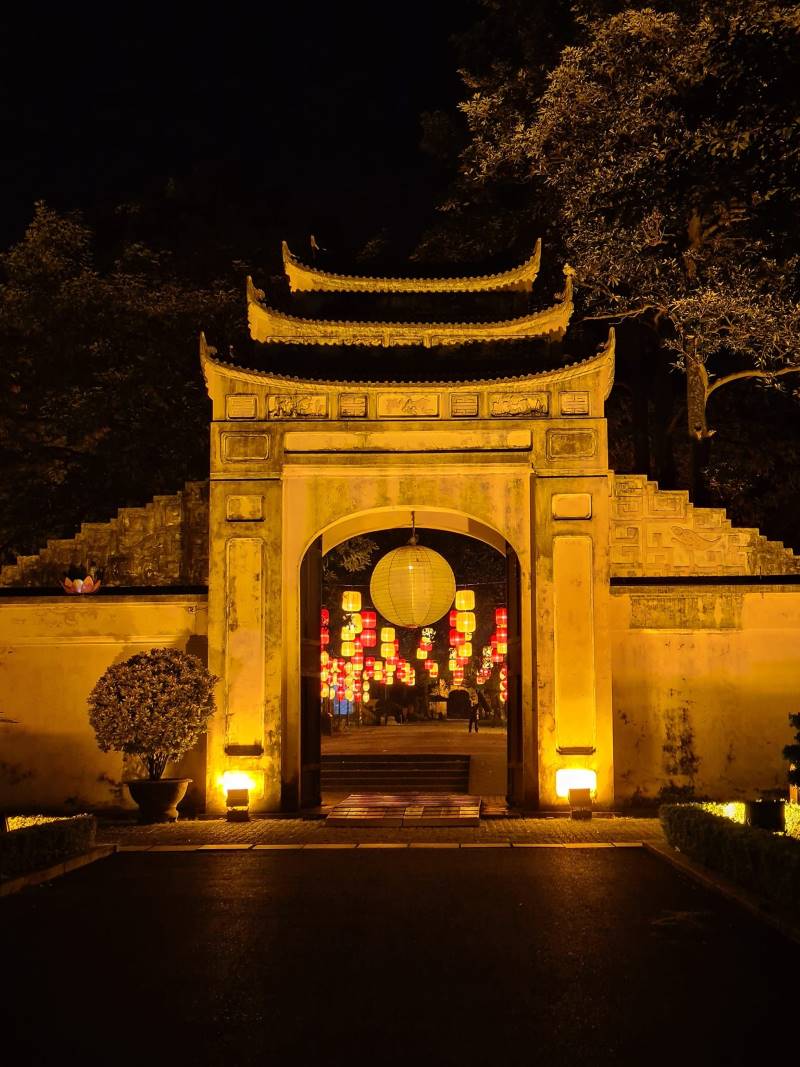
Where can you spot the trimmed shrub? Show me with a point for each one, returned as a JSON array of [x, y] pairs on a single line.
[[34, 848], [762, 863]]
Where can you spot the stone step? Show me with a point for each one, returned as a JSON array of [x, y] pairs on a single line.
[[391, 773]]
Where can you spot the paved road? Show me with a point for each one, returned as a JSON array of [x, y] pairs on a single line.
[[431, 956]]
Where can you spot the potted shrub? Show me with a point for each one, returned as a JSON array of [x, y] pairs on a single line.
[[155, 705]]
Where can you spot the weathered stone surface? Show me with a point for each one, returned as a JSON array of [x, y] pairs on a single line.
[[659, 534], [163, 543]]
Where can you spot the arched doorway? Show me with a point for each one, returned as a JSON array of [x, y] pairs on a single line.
[[435, 746]]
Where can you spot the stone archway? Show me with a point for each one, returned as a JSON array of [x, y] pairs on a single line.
[[522, 461], [301, 764]]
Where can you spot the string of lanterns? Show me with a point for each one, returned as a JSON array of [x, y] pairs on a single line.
[[348, 676]]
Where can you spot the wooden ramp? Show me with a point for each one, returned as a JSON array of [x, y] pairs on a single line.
[[406, 809]]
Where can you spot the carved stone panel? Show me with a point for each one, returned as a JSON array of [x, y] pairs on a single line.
[[463, 405], [240, 447], [519, 405], [571, 444], [571, 506], [689, 610], [353, 406], [241, 406], [297, 406], [408, 405], [244, 508], [575, 402]]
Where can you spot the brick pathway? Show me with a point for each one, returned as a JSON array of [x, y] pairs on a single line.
[[293, 832]]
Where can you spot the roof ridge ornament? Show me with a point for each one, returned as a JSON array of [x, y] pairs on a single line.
[[304, 277]]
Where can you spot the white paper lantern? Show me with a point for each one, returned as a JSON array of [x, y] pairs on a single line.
[[412, 586]]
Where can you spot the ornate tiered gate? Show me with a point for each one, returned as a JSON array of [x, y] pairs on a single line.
[[300, 465]]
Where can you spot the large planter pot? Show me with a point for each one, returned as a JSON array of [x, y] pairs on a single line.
[[158, 799]]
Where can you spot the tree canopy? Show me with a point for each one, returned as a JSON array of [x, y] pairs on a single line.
[[659, 152], [102, 401]]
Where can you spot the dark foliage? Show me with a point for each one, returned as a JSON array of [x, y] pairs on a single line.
[[760, 862], [34, 848]]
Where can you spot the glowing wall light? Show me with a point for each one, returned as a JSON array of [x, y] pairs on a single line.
[[237, 786], [574, 778]]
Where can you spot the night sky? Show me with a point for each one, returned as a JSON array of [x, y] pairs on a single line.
[[262, 116]]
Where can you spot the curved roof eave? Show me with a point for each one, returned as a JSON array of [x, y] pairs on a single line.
[[602, 360], [306, 278], [270, 326]]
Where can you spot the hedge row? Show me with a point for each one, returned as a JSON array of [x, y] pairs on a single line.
[[34, 848], [761, 862]]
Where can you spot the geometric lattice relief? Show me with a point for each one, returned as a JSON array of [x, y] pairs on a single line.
[[163, 543], [658, 534]]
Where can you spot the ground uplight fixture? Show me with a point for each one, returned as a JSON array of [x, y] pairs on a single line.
[[237, 786]]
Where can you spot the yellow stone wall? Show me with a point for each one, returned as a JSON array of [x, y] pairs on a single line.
[[704, 678], [52, 651]]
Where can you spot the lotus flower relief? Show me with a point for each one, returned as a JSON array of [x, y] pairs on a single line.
[[81, 586]]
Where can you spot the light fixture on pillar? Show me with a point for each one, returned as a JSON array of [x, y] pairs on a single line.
[[412, 586], [577, 785], [237, 786]]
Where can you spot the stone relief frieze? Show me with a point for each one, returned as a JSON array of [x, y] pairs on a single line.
[[519, 405], [408, 405], [297, 406]]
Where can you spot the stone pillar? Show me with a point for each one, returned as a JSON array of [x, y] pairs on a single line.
[[573, 657], [244, 618]]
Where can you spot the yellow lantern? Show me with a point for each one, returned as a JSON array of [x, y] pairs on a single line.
[[465, 600], [351, 601], [348, 694], [348, 649], [421, 653], [465, 622], [387, 651], [357, 622], [325, 691], [502, 648], [348, 633], [412, 586], [387, 634], [466, 649]]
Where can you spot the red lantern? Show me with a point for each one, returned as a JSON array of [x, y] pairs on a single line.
[[369, 638], [369, 620], [324, 637], [501, 616], [453, 619], [324, 617], [498, 657], [457, 638]]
